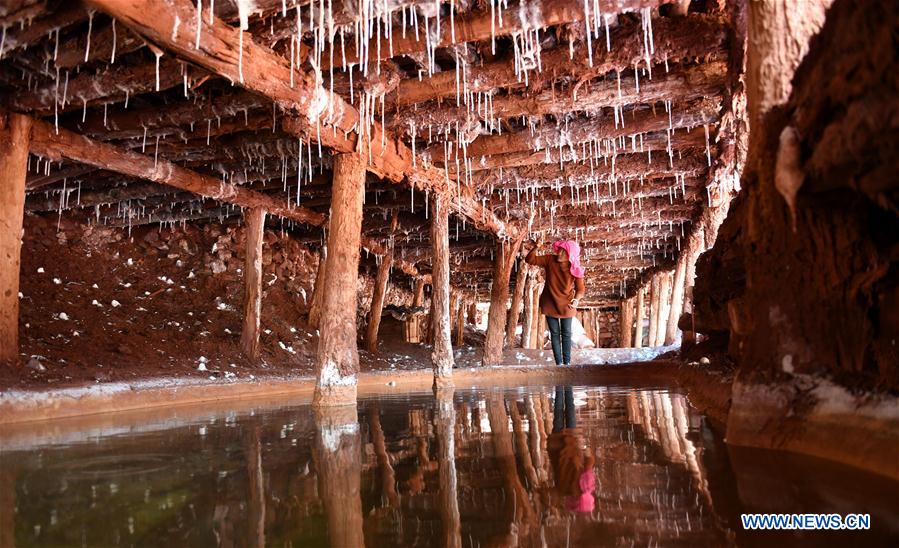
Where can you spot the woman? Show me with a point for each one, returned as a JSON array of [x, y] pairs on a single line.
[[563, 290]]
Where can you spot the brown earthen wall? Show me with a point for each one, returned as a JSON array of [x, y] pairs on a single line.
[[817, 290]]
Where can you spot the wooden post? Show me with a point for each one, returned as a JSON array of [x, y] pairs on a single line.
[[641, 313], [338, 460], [473, 312], [337, 359], [653, 309], [664, 305], [442, 351], [499, 299], [315, 308], [379, 291], [541, 331], [252, 303], [15, 135], [444, 431], [528, 327], [677, 295], [515, 309], [626, 320], [413, 333], [460, 322]]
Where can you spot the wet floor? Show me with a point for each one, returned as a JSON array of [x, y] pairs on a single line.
[[535, 466]]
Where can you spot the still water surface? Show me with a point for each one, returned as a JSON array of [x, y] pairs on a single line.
[[532, 466]]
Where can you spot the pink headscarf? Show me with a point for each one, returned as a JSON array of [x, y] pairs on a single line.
[[585, 501], [574, 255]]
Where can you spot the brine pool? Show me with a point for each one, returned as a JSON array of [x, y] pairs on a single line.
[[527, 466]]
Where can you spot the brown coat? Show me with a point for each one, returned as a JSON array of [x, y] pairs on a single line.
[[560, 287]]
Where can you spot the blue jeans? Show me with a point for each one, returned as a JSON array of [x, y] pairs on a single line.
[[560, 336]]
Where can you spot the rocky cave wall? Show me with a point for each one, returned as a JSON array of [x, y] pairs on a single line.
[[804, 276]]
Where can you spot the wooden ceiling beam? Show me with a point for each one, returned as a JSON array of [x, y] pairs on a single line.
[[481, 25], [684, 85], [599, 127], [697, 36], [318, 114]]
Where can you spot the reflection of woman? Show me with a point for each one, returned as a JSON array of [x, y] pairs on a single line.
[[561, 294], [572, 466]]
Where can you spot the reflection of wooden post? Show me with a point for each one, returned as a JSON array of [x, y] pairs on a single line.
[[8, 473], [473, 312], [522, 514], [15, 136], [388, 477], [256, 498], [446, 458], [379, 292], [338, 457], [337, 359], [442, 351], [641, 313], [515, 309], [521, 444], [499, 299], [252, 309], [315, 309]]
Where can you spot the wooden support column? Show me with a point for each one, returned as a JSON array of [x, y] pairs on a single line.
[[653, 309], [540, 337], [315, 308], [337, 359], [15, 135], [641, 313], [412, 328], [677, 296], [664, 305], [460, 322], [527, 328], [252, 303], [442, 351], [379, 291], [472, 313], [517, 298], [338, 459], [499, 300], [626, 319]]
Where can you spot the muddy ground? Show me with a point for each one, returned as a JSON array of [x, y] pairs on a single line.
[[101, 305]]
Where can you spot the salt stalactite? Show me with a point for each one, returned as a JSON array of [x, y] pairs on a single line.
[[90, 26], [199, 23]]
